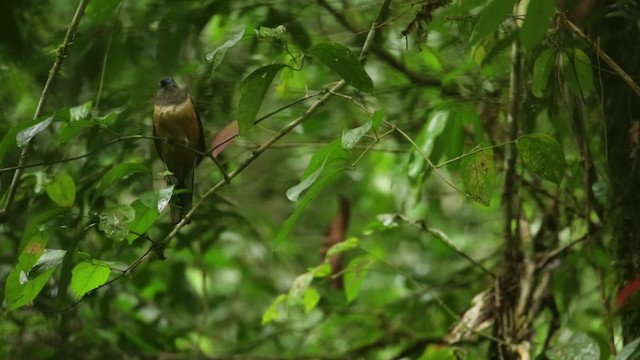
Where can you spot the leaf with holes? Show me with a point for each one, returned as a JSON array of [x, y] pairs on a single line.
[[543, 155], [479, 175]]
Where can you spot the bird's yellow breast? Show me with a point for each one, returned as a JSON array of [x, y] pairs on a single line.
[[177, 122]]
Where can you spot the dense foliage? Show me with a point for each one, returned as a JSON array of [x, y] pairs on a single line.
[[384, 180]]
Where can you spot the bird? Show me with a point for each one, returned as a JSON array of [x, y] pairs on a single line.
[[177, 129]]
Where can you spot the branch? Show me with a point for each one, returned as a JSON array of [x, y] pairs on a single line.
[[53, 74]]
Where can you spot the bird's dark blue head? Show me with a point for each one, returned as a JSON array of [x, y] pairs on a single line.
[[167, 81]]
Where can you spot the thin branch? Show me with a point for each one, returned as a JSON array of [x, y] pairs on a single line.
[[63, 51]]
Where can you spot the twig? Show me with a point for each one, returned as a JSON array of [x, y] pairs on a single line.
[[53, 74]]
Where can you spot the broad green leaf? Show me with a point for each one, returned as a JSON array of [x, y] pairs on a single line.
[[216, 56], [117, 173], [350, 137], [490, 18], [62, 190], [631, 351], [70, 130], [9, 139], [114, 222], [49, 259], [579, 347], [578, 71], [435, 125], [298, 288], [354, 276], [33, 251], [157, 200], [87, 276], [20, 290], [343, 62], [310, 299], [377, 118], [294, 192], [275, 311], [479, 175], [25, 135], [536, 22], [544, 155], [321, 270], [541, 71], [252, 92], [145, 217], [343, 246]]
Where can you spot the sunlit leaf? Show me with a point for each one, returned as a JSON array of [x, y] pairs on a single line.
[[490, 18], [145, 217], [541, 71], [294, 192], [298, 288], [252, 92], [543, 155], [479, 175], [49, 259], [62, 190], [275, 311], [321, 270], [377, 118], [536, 22], [354, 276], [350, 137], [24, 136], [342, 61], [310, 299], [343, 246], [114, 222], [87, 276], [80, 112], [157, 200], [216, 56]]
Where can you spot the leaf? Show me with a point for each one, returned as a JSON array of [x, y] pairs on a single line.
[[157, 200], [275, 311], [103, 10], [24, 136], [578, 71], [114, 222], [321, 270], [224, 138], [544, 155], [350, 137], [278, 33], [87, 276], [479, 175], [216, 56], [252, 92], [310, 299], [20, 290], [541, 71], [536, 22], [579, 347], [294, 192], [434, 127], [146, 216], [80, 112], [344, 63], [631, 351], [62, 190], [376, 119], [490, 19], [49, 259], [343, 246], [117, 173], [354, 276]]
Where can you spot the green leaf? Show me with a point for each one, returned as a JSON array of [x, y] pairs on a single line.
[[87, 276], [25, 135], [631, 351], [350, 137], [216, 56], [278, 33], [377, 118], [343, 246], [354, 276], [275, 311], [479, 175], [252, 92], [490, 18], [310, 299], [321, 270], [62, 190], [294, 192], [80, 112], [114, 222], [20, 290], [536, 22], [343, 62], [544, 155], [298, 288], [434, 127], [146, 216], [541, 71], [579, 347], [117, 173], [157, 199], [578, 71], [103, 10], [49, 260]]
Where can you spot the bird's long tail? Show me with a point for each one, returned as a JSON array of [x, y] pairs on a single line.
[[182, 199]]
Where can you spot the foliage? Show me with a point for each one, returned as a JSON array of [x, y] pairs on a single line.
[[470, 152]]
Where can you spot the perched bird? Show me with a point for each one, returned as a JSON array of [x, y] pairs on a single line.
[[175, 119]]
